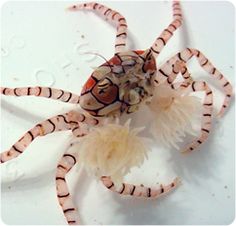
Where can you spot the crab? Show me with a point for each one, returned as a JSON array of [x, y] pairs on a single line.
[[118, 87]]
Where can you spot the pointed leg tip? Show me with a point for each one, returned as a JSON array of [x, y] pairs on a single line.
[[185, 151], [220, 114], [72, 8]]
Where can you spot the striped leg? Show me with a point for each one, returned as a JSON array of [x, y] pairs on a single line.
[[196, 86], [67, 161], [80, 130], [189, 86], [47, 92], [57, 123], [186, 55], [140, 191], [111, 16], [162, 40], [167, 74], [67, 121]]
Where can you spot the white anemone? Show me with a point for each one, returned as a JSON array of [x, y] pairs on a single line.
[[112, 150], [175, 115]]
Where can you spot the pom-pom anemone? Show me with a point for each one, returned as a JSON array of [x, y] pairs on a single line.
[[175, 115], [113, 149]]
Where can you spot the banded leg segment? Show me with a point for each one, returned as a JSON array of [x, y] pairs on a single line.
[[47, 92], [57, 123], [206, 122], [111, 16], [67, 121], [184, 56], [164, 37], [195, 86], [67, 161], [168, 74], [139, 190]]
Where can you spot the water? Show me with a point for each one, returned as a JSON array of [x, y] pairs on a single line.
[[4, 52], [66, 65], [17, 42]]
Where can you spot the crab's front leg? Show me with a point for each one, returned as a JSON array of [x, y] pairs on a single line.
[[206, 122], [177, 64], [111, 16], [168, 73], [140, 190], [172, 67]]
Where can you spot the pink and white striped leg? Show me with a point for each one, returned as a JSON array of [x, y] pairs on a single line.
[[206, 122], [111, 16], [47, 92], [139, 190], [65, 164], [164, 37], [168, 72], [184, 56], [57, 123], [67, 121], [169, 75]]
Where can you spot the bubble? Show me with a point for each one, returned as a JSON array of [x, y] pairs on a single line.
[[44, 78]]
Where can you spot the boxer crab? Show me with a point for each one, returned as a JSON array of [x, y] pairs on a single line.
[[117, 87]]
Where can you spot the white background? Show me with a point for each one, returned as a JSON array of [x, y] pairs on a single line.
[[42, 36]]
